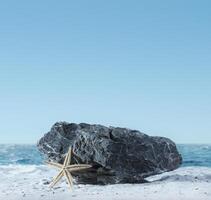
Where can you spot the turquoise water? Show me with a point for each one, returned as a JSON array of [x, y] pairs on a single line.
[[193, 155], [20, 154]]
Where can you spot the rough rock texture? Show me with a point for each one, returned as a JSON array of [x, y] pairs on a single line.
[[118, 155]]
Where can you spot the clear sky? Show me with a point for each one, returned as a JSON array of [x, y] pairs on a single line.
[[140, 64]]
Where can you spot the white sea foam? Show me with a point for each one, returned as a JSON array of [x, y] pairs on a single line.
[[30, 182]]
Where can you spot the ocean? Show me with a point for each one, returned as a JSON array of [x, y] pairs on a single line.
[[193, 155]]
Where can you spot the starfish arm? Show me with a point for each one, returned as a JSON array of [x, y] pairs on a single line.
[[57, 178], [68, 157], [69, 178], [78, 166], [53, 164]]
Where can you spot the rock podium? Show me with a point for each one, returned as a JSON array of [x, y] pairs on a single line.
[[118, 155]]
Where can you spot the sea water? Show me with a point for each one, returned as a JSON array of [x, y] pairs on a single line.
[[193, 155], [20, 155]]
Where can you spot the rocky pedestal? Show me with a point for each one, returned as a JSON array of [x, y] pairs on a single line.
[[118, 155]]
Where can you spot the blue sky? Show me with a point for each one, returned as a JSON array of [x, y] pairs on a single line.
[[140, 64]]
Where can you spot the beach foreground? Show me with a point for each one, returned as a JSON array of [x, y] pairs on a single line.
[[31, 183]]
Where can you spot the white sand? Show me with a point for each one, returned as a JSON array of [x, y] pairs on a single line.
[[30, 183]]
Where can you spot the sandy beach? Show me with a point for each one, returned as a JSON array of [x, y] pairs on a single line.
[[31, 183]]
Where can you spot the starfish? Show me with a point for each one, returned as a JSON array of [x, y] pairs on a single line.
[[66, 169]]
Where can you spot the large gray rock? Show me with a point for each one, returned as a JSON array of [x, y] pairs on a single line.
[[118, 155]]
